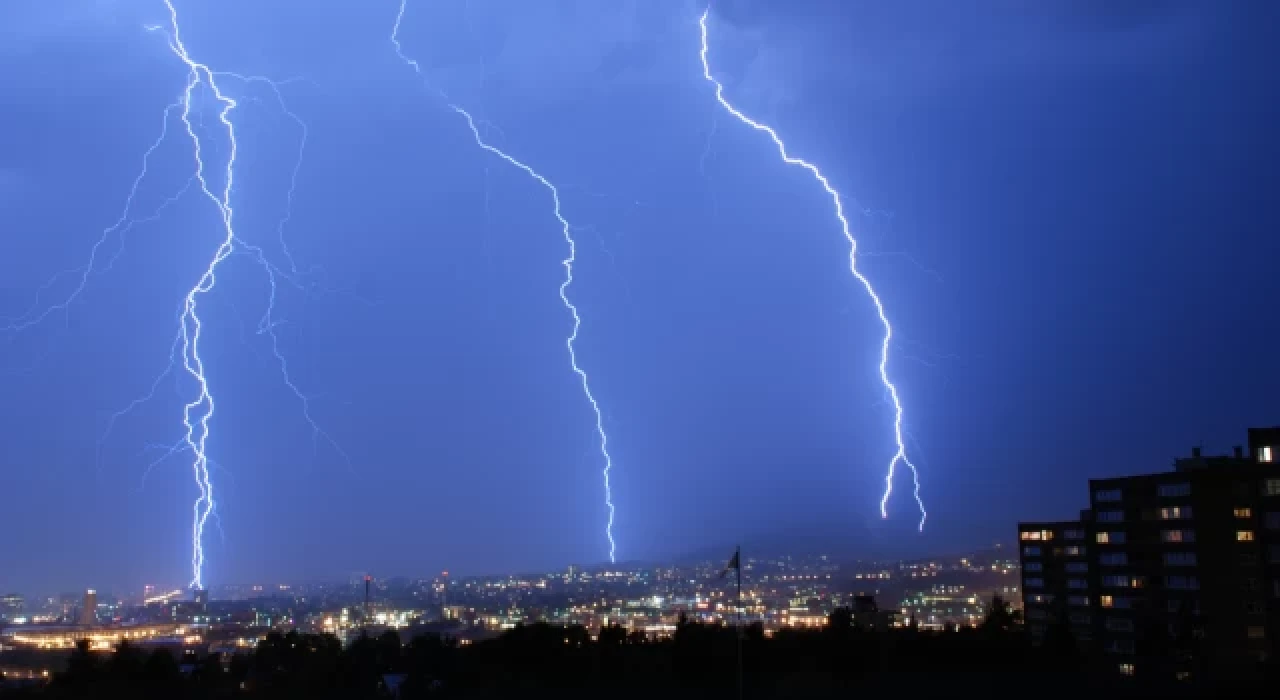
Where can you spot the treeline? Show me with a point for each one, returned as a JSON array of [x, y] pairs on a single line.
[[699, 661]]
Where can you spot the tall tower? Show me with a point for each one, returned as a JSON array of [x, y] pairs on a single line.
[[89, 609], [368, 612]]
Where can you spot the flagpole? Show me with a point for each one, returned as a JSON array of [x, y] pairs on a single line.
[[738, 557]]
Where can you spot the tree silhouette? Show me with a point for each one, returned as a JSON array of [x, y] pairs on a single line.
[[698, 661], [1000, 617], [840, 620]]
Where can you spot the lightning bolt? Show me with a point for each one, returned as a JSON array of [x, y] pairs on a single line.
[[197, 413], [567, 230], [37, 313], [215, 183], [899, 456]]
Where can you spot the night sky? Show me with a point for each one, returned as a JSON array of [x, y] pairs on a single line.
[[1066, 206]]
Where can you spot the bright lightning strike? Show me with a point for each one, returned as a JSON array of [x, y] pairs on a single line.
[[216, 187], [197, 413], [567, 230], [900, 456]]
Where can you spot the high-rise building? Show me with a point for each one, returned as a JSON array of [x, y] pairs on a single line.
[[89, 608], [1178, 570], [1055, 578], [1264, 443]]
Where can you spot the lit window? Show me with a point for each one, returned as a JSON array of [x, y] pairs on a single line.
[[1123, 581], [1110, 538], [1271, 487], [1107, 496], [1175, 512], [1110, 516], [1106, 601], [1178, 535], [1126, 669], [1075, 551], [1264, 453], [1257, 632], [1244, 512], [1244, 535], [1033, 535]]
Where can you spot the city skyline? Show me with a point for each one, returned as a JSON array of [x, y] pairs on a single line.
[[782, 547], [1072, 245], [970, 578]]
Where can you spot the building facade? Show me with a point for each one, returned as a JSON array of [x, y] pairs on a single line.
[[1055, 578], [89, 608], [1173, 572]]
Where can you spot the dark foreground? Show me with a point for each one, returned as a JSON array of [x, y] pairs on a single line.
[[699, 662]]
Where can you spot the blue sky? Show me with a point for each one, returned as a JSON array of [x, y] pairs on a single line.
[[1065, 206]]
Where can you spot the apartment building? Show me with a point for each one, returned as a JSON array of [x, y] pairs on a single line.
[[1055, 578], [1178, 569]]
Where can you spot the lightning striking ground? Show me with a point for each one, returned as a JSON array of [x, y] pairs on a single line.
[[197, 413], [900, 456], [567, 230], [215, 183]]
